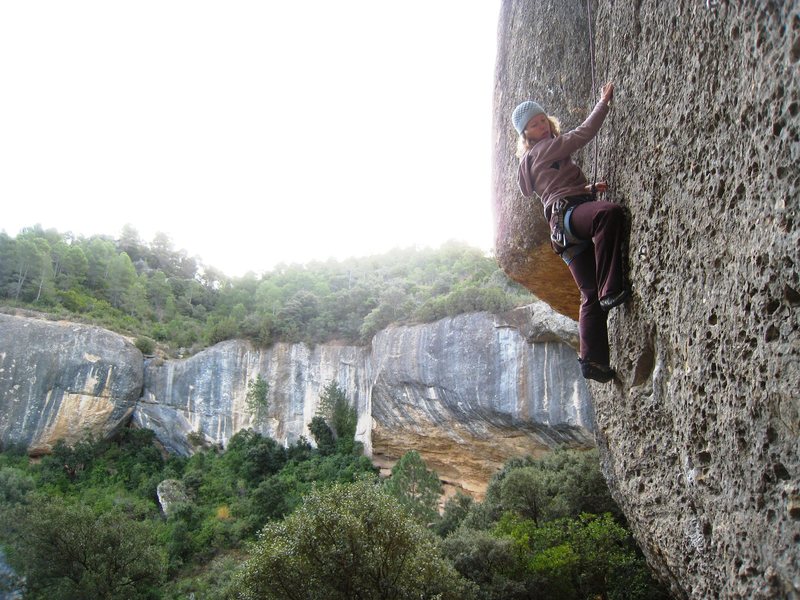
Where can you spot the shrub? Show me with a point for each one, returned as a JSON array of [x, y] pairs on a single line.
[[145, 345], [67, 552], [349, 541]]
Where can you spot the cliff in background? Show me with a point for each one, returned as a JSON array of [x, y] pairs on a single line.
[[206, 394], [467, 392], [470, 392], [700, 437], [59, 381]]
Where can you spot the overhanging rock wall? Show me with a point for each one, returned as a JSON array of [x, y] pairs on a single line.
[[700, 437]]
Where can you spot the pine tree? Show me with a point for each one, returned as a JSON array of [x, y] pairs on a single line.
[[417, 488]]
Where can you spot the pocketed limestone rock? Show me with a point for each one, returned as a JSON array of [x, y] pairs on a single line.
[[699, 437]]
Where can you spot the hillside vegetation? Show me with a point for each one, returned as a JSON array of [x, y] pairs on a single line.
[[162, 295], [260, 520]]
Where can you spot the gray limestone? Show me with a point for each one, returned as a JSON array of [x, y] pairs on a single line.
[[700, 438], [467, 392], [61, 380]]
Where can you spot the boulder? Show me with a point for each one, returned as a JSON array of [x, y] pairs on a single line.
[[171, 492]]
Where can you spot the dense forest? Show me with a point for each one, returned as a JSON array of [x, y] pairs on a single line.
[[163, 296], [117, 519]]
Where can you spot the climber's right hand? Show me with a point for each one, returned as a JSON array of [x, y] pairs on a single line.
[[607, 93]]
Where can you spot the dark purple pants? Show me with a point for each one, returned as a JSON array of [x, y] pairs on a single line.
[[598, 271]]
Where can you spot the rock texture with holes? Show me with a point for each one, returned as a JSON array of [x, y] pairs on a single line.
[[700, 437]]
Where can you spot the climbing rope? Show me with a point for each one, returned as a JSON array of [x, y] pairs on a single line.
[[594, 86]]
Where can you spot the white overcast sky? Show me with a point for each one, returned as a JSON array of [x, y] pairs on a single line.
[[250, 132]]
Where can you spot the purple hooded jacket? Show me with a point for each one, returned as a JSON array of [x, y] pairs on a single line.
[[547, 169]]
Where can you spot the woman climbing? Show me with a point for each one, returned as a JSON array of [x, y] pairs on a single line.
[[586, 233]]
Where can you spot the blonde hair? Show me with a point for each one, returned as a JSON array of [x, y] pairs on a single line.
[[524, 144]]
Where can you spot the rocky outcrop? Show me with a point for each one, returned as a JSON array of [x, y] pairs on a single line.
[[699, 437], [59, 381], [466, 392], [471, 391], [203, 398], [171, 493]]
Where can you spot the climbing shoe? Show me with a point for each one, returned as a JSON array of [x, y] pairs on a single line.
[[613, 300], [591, 370]]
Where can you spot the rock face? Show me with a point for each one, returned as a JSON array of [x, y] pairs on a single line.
[[504, 385], [59, 380], [469, 392], [171, 492], [206, 394], [466, 392], [700, 437]]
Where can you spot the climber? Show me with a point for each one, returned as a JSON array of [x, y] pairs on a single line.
[[586, 233]]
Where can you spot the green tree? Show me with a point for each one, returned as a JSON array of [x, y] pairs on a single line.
[[490, 561], [74, 268], [44, 278], [136, 298], [7, 251], [337, 412], [253, 457], [159, 293], [323, 435], [349, 541], [28, 260], [121, 277], [585, 557], [14, 485], [162, 255], [296, 314], [455, 511], [70, 552], [257, 397], [99, 253], [561, 483], [525, 491], [69, 463], [415, 487], [130, 244]]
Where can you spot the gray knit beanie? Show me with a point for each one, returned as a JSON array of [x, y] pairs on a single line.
[[524, 113]]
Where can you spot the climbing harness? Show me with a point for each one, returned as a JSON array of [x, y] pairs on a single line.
[[565, 243]]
